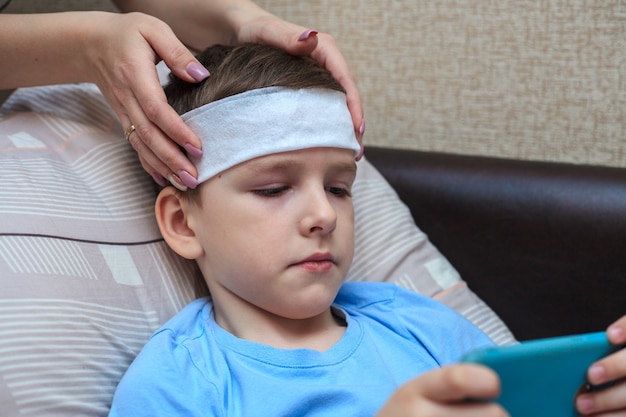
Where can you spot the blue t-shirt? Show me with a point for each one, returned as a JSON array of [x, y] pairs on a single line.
[[193, 367]]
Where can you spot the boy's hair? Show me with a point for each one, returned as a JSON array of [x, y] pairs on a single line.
[[236, 69]]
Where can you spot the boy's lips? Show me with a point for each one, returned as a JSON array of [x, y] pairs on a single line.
[[318, 262]]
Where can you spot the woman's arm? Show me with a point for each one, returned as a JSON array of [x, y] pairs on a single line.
[[41, 49], [118, 53], [199, 24]]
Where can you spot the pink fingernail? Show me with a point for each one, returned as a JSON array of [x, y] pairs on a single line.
[[361, 153], [193, 151], [176, 182], [360, 140], [159, 179], [307, 34], [197, 71], [187, 179]]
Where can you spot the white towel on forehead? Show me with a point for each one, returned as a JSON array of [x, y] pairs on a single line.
[[266, 121]]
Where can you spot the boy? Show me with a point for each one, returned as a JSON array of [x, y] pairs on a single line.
[[271, 228]]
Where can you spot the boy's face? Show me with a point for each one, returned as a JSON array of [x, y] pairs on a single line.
[[277, 232]]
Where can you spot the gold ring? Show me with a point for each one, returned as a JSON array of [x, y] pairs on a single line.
[[128, 131]]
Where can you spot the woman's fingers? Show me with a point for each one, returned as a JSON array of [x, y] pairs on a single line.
[[322, 47], [327, 54], [129, 81]]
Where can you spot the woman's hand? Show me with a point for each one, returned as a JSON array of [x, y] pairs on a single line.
[[445, 392], [123, 56], [610, 401]]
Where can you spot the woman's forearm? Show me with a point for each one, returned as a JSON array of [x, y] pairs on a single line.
[[199, 23], [41, 49]]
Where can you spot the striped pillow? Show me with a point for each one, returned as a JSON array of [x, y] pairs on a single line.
[[86, 277]]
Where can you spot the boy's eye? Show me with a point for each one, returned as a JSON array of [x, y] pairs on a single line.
[[278, 191], [339, 191], [271, 192]]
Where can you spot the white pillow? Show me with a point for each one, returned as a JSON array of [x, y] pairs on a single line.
[[86, 277]]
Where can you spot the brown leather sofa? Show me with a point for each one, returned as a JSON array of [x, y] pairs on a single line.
[[543, 244]]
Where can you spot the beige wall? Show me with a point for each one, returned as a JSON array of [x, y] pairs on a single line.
[[536, 79], [533, 79], [39, 6]]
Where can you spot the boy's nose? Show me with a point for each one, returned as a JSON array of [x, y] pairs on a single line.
[[319, 214]]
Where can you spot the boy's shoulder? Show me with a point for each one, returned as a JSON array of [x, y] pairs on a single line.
[[412, 316], [188, 322], [397, 306]]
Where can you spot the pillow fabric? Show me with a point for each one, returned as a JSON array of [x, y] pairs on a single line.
[[390, 247], [86, 277]]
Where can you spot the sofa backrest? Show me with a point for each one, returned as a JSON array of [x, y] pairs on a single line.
[[544, 244]]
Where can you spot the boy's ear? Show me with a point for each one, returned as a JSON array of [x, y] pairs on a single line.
[[172, 215]]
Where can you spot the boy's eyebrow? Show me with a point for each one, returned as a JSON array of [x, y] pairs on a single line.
[[286, 165], [349, 167], [271, 166]]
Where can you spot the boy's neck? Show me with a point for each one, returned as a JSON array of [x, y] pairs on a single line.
[[319, 333]]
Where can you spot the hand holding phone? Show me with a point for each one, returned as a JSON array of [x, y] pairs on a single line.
[[542, 377]]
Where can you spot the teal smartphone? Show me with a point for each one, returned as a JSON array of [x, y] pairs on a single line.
[[542, 377]]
